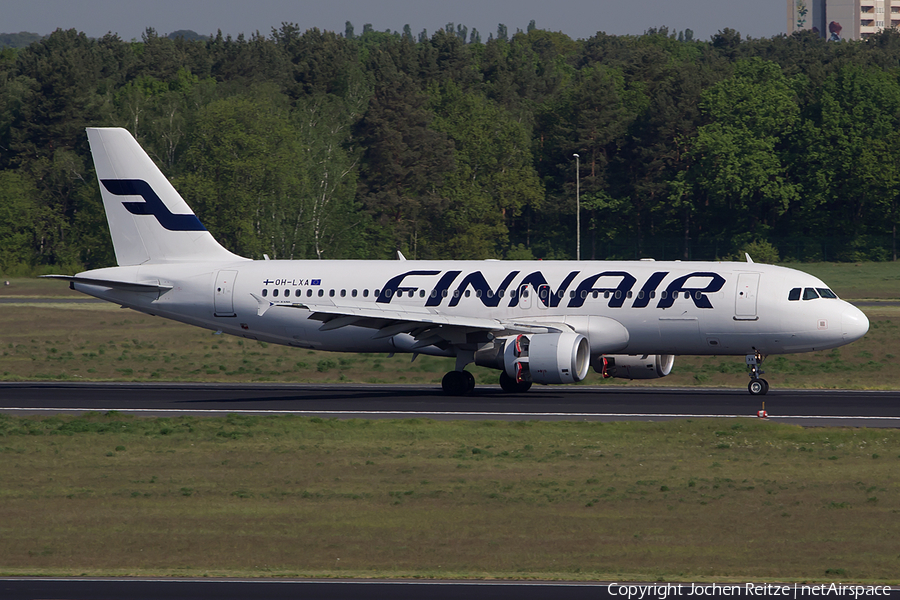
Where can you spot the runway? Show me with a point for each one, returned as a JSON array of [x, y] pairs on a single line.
[[364, 401]]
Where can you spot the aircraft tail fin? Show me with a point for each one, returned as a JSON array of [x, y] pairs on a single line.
[[148, 219]]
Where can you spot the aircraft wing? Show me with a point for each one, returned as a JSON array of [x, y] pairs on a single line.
[[428, 327]]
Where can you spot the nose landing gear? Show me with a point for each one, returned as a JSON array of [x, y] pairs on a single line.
[[757, 386]]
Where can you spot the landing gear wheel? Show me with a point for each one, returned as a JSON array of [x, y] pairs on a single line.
[[458, 383], [758, 387], [511, 386], [470, 383]]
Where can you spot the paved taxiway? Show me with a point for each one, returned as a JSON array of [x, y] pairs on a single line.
[[175, 589], [607, 403]]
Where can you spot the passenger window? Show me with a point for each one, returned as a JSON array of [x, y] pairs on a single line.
[[343, 293], [275, 293], [826, 293], [287, 293], [309, 293], [377, 292], [353, 293], [365, 293], [265, 293], [321, 293], [478, 293], [641, 295], [809, 294], [468, 293], [421, 293], [434, 293], [794, 294], [297, 293], [331, 293]]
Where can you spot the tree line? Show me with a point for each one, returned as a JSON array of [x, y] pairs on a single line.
[[315, 144]]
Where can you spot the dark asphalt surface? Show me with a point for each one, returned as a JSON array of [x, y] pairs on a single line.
[[173, 589], [807, 407]]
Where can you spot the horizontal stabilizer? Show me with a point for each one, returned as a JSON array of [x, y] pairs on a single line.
[[125, 286]]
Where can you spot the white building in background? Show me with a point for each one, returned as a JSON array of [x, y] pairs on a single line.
[[843, 19]]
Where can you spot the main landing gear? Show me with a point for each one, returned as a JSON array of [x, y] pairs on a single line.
[[511, 386], [757, 386], [458, 383], [462, 383]]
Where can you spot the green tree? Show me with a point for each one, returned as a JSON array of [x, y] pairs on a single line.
[[740, 169], [240, 173], [21, 222], [403, 167], [851, 160], [493, 181]]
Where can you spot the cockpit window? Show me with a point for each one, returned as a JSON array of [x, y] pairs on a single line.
[[794, 294], [826, 293], [809, 294]]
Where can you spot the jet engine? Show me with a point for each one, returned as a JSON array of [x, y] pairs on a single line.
[[625, 366], [540, 357]]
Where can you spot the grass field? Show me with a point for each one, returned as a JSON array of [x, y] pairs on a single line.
[[729, 500]]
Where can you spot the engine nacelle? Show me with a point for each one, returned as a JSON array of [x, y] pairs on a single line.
[[625, 366], [540, 357]]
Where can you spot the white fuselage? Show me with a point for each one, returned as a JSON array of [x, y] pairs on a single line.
[[666, 307]]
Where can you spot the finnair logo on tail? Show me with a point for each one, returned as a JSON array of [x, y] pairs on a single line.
[[152, 204]]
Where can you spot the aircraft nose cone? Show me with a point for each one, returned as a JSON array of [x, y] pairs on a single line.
[[854, 324]]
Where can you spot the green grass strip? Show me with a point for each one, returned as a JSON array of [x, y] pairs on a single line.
[[729, 500]]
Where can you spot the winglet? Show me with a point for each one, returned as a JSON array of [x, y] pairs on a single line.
[[749, 260], [400, 256]]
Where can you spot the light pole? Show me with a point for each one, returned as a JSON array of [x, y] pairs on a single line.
[[577, 207]]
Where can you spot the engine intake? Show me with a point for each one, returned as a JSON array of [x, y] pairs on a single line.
[[625, 366], [540, 357]]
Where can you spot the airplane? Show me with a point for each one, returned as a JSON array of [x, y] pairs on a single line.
[[545, 322]]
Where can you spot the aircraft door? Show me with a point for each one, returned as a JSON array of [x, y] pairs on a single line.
[[543, 296], [745, 297], [224, 293]]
